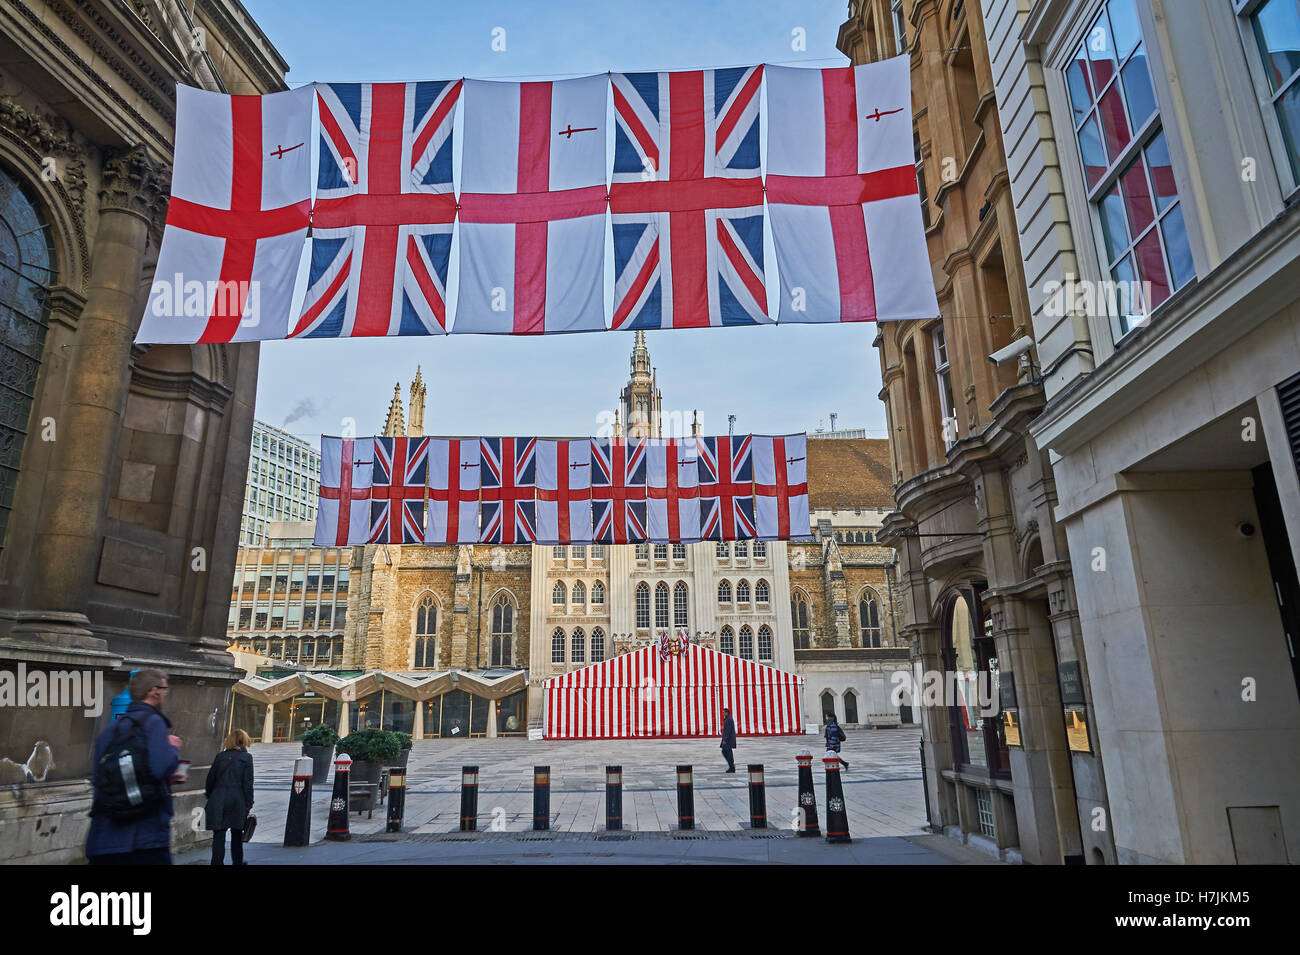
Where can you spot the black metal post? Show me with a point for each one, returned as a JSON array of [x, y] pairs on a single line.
[[469, 798], [338, 823], [807, 808], [297, 824], [685, 798], [541, 797], [837, 817], [925, 789], [757, 797], [396, 798], [613, 797]]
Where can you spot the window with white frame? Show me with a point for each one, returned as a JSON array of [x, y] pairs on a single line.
[[761, 592], [742, 592], [722, 551], [760, 550], [661, 606], [597, 645], [579, 551], [1275, 26], [578, 646], [728, 641], [557, 552], [661, 552], [1141, 235], [742, 549], [900, 26], [643, 552], [579, 595], [746, 643], [598, 594], [558, 594], [679, 552], [597, 551], [680, 595], [765, 643], [643, 606], [943, 376], [557, 646], [724, 591]]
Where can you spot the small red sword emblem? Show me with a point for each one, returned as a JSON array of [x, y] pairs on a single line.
[[568, 131], [278, 153], [878, 114]]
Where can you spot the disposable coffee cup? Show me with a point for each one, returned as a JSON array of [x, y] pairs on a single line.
[[183, 771]]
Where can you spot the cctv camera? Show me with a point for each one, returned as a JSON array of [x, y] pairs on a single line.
[[1004, 356], [1246, 529]]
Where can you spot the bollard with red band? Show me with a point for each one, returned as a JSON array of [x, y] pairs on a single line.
[[685, 798], [541, 797], [806, 811], [338, 825], [837, 817], [297, 824], [469, 799], [396, 798], [757, 797], [613, 797]]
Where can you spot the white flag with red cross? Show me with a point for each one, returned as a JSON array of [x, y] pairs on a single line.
[[237, 220], [453, 491], [343, 499]]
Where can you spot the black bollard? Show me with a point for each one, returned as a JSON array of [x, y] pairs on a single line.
[[337, 827], [757, 797], [297, 824], [685, 798], [807, 808], [541, 797], [837, 817], [468, 798], [613, 797], [396, 798]]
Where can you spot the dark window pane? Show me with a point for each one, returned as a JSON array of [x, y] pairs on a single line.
[[1114, 122], [1288, 116], [1124, 23], [1151, 266], [1101, 52], [1162, 173], [1112, 224], [1080, 83], [1180, 253], [1137, 198], [1094, 157], [1277, 28], [1137, 87]]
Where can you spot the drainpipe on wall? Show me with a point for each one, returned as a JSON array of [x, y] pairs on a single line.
[[889, 576], [478, 625]]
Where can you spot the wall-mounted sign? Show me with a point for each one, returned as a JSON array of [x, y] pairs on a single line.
[[1007, 690], [1071, 680]]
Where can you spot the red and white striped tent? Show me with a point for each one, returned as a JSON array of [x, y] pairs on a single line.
[[638, 694]]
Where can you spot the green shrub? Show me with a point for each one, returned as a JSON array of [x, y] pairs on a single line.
[[320, 736], [371, 746], [403, 739]]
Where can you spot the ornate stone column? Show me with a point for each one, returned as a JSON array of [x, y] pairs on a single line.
[[77, 482]]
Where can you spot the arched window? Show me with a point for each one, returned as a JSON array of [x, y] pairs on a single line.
[[742, 548], [661, 552], [558, 594], [765, 643], [828, 706], [643, 606], [728, 642], [799, 620], [723, 550], [760, 550], [661, 606], [850, 706], [557, 646], [579, 597], [742, 592], [760, 592], [426, 630], [578, 646], [724, 591], [869, 618], [27, 264], [746, 643], [598, 593], [597, 645], [503, 632], [679, 605]]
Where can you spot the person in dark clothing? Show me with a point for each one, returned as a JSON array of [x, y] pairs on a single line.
[[229, 789], [147, 840], [728, 739], [835, 735]]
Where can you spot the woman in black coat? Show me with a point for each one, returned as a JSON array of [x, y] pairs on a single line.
[[230, 796]]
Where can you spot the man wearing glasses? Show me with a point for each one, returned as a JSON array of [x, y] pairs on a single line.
[[122, 789]]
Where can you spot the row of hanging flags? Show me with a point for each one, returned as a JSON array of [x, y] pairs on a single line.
[[373, 209], [423, 490]]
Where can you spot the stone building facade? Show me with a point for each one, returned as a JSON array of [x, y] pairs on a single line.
[[121, 467], [985, 588]]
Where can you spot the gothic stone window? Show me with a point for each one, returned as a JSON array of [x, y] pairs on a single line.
[[679, 605], [850, 706], [557, 646], [661, 605], [579, 594], [742, 592], [26, 272], [722, 551], [578, 646], [597, 645], [598, 593], [760, 550], [679, 552], [799, 620], [643, 606], [558, 594], [869, 618], [728, 641], [503, 631], [661, 553], [765, 643], [746, 643], [724, 591], [761, 592]]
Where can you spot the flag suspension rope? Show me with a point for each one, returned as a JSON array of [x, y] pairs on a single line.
[[330, 211], [428, 490]]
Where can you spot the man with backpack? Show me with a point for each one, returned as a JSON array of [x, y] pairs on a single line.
[[835, 735], [135, 759]]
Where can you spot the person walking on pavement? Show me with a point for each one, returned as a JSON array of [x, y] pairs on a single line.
[[135, 760], [728, 739], [229, 789], [835, 735]]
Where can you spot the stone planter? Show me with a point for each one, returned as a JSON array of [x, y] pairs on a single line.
[[321, 757], [366, 772], [402, 757]]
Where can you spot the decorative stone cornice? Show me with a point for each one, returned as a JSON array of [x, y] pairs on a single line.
[[135, 183]]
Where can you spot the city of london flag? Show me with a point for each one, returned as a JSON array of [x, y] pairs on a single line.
[[564, 491], [781, 486], [672, 488], [842, 194], [343, 502], [532, 207], [454, 465], [237, 219]]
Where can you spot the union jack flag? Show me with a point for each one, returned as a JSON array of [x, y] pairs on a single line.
[[726, 488], [382, 222], [687, 200], [618, 490], [398, 490], [508, 494]]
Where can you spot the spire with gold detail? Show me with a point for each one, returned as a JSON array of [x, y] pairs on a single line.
[[395, 422], [640, 401], [417, 405]]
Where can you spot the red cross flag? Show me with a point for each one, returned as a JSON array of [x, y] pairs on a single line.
[[564, 491], [672, 483], [781, 487], [453, 491], [843, 197], [237, 219], [343, 511]]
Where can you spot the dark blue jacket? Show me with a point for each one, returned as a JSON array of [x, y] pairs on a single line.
[[729, 732], [152, 832], [834, 736]]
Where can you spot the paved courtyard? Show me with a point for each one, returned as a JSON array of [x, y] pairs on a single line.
[[882, 791]]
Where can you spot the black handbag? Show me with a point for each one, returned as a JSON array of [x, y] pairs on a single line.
[[250, 826]]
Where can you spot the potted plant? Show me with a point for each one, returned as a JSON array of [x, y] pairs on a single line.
[[318, 743], [404, 748], [371, 750]]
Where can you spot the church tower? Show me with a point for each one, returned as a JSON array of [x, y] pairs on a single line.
[[395, 421], [417, 406], [640, 404]]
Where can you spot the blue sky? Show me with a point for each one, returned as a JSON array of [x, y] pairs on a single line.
[[774, 379]]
